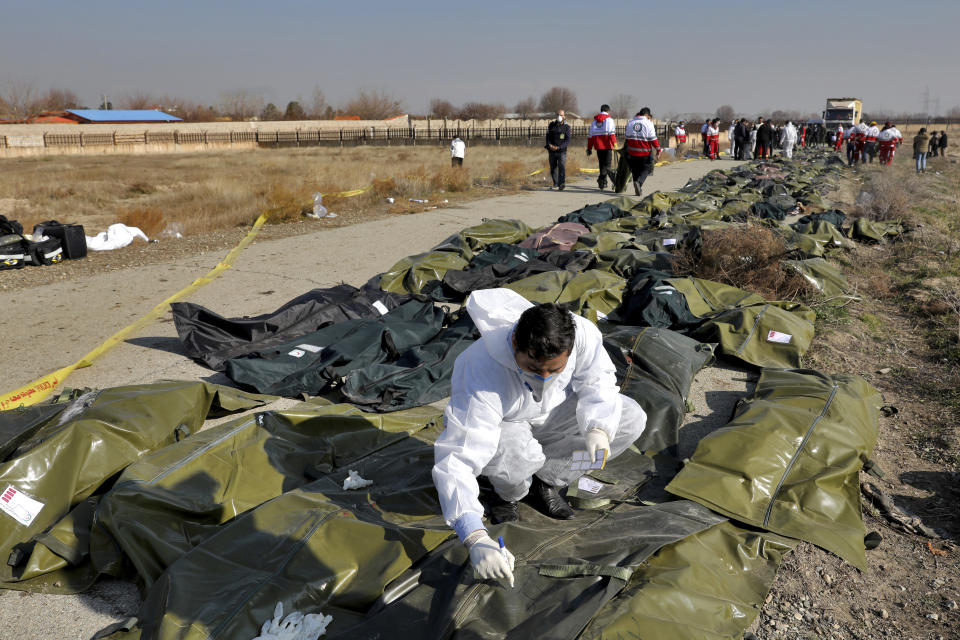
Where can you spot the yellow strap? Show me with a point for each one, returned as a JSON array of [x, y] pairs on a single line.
[[39, 389]]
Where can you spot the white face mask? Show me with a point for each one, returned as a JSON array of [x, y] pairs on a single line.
[[537, 385], [559, 118]]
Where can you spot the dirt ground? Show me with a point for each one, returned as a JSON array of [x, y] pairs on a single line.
[[816, 595]]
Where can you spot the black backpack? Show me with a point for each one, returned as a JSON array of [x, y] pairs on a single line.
[[10, 227], [13, 250], [71, 237]]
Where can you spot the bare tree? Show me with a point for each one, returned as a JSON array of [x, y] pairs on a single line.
[[240, 104], [481, 111], [54, 99], [317, 105], [373, 104], [526, 107], [558, 98], [6, 110], [139, 100], [726, 113], [21, 96], [953, 115], [440, 108], [623, 106]]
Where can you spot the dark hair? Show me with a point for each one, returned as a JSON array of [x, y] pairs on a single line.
[[644, 112], [604, 107], [923, 129], [545, 331]]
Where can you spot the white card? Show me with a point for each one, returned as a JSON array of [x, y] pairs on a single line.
[[379, 306], [297, 353], [18, 506], [312, 348], [669, 241], [587, 483], [776, 336]]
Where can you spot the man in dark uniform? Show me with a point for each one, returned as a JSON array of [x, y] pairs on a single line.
[[558, 137]]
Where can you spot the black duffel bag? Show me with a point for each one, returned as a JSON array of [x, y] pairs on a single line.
[[13, 250], [46, 251], [71, 236], [10, 227]]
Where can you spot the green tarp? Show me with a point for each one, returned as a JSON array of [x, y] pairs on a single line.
[[709, 586], [768, 334], [656, 367], [592, 293], [789, 460], [414, 273], [177, 498], [707, 297], [865, 230], [75, 452], [495, 230], [823, 276]]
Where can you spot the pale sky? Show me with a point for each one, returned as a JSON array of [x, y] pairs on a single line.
[[677, 56]]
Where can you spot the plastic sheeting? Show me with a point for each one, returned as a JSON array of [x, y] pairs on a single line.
[[311, 363], [71, 456], [769, 334], [212, 339], [789, 460]]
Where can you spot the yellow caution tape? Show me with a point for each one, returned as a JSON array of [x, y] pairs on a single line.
[[39, 389], [349, 194], [540, 170]]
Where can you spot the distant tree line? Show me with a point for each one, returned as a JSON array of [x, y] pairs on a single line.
[[22, 100]]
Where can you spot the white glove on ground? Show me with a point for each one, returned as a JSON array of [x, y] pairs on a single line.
[[489, 560], [597, 439]]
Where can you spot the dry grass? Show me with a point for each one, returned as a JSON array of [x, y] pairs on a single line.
[[747, 257], [201, 193]]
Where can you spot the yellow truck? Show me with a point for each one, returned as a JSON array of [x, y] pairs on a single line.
[[843, 111]]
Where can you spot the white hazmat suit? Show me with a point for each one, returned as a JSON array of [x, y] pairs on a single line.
[[788, 138], [498, 427]]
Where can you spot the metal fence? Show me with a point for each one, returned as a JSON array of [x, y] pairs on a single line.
[[504, 134]]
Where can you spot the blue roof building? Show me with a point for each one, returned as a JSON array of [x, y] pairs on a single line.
[[120, 116]]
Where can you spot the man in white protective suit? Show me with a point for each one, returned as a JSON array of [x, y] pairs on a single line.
[[788, 138], [535, 389]]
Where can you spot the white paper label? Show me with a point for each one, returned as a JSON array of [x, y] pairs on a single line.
[[297, 353], [669, 241], [18, 506], [379, 306], [312, 348], [587, 483], [776, 336]]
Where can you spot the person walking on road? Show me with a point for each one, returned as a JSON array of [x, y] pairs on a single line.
[[680, 133], [457, 149], [643, 148], [603, 138], [920, 142], [558, 137]]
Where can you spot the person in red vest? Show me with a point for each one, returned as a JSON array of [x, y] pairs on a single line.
[[803, 136], [888, 143], [713, 138], [839, 141], [603, 138], [680, 133], [643, 148]]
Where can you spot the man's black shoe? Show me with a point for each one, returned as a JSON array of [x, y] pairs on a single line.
[[561, 187], [548, 498], [503, 511]]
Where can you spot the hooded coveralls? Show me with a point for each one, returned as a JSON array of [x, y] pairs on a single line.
[[495, 425]]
